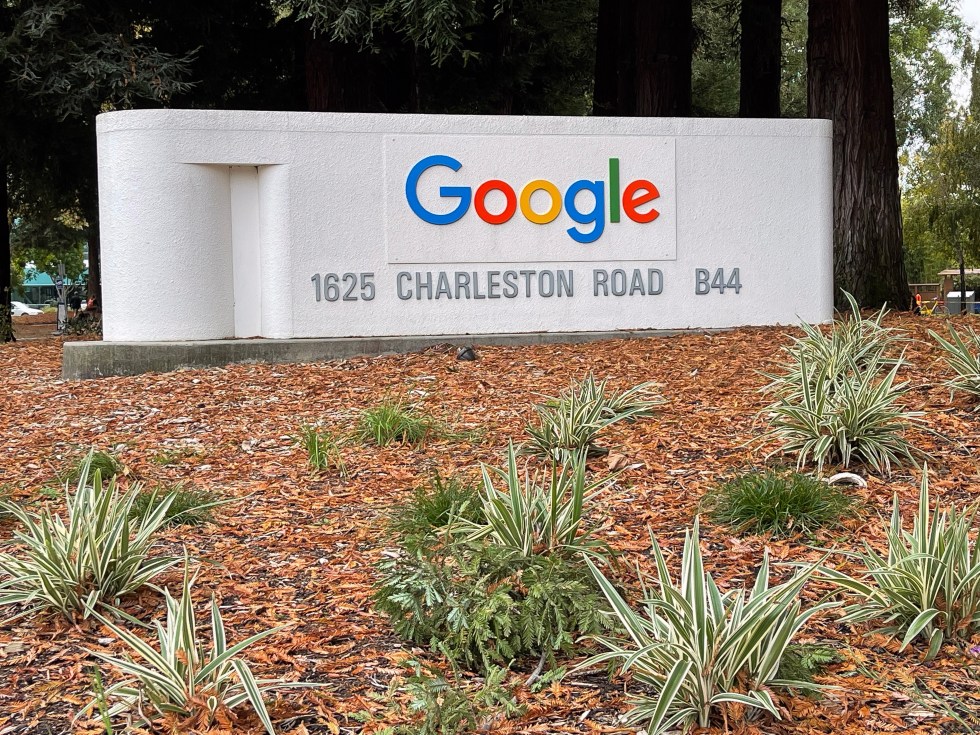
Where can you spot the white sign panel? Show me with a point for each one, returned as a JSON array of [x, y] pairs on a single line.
[[470, 208], [242, 224]]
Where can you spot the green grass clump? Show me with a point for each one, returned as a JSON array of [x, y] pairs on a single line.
[[188, 505], [105, 463], [433, 507], [394, 421], [322, 449], [779, 503]]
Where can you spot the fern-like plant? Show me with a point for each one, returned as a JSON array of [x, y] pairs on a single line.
[[928, 583], [483, 607], [699, 650], [93, 556], [963, 356], [185, 675]]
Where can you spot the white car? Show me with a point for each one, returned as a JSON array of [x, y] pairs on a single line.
[[19, 309]]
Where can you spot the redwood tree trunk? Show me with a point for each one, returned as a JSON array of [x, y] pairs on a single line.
[[760, 53], [664, 46], [338, 77], [605, 97], [6, 328], [849, 82]]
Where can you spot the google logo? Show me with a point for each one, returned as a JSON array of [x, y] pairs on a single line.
[[637, 194]]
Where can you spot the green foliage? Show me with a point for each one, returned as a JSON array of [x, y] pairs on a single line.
[[483, 607], [963, 356], [534, 517], [185, 675], [837, 397], [446, 706], [572, 421], [928, 583], [779, 503], [322, 449], [394, 421], [433, 508], [105, 463], [804, 661], [699, 650], [98, 554], [186, 505]]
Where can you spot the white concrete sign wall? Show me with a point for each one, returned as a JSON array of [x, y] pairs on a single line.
[[242, 224]]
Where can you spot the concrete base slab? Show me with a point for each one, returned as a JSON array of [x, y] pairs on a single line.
[[83, 360]]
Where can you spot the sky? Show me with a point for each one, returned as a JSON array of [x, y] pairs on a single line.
[[970, 10]]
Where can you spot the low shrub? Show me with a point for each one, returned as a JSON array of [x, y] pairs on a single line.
[[780, 503], [186, 677], [186, 505], [572, 421], [700, 651], [504, 580], [963, 356], [322, 449], [395, 421], [434, 507], [927, 585], [483, 607], [95, 555]]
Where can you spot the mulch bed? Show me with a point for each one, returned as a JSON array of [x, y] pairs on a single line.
[[301, 550]]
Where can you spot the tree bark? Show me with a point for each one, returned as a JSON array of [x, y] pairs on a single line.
[[605, 95], [849, 82], [6, 326], [664, 31], [760, 51], [338, 77]]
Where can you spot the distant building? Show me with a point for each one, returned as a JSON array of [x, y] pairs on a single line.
[[39, 288]]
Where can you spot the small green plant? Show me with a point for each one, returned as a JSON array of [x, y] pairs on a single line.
[[700, 650], [434, 507], [837, 397], [850, 416], [394, 421], [530, 516], [172, 455], [483, 607], [852, 343], [443, 705], [805, 661], [186, 676], [504, 577], [98, 689], [186, 505], [322, 449], [963, 356], [105, 463], [92, 557], [928, 584], [572, 421], [780, 503]]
